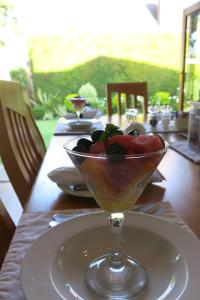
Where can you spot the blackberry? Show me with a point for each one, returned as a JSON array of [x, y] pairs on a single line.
[[115, 149], [96, 135]]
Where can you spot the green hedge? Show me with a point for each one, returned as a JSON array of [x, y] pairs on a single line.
[[103, 70], [61, 65]]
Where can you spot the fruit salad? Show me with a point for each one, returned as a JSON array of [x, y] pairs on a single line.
[[117, 167]]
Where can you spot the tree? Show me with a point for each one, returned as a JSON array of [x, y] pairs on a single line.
[[6, 18]]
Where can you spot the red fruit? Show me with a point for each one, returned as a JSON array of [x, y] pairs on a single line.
[[146, 144], [124, 140], [98, 148], [158, 142]]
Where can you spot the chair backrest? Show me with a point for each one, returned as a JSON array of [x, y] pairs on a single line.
[[7, 229], [128, 89], [21, 146]]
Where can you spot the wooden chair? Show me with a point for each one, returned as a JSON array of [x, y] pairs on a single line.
[[7, 229], [21, 146], [133, 89]]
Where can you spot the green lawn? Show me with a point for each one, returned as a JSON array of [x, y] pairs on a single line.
[[46, 128]]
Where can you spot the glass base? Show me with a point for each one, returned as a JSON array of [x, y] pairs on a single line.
[[121, 280]]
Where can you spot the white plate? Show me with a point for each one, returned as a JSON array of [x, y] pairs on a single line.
[[67, 190], [55, 265], [80, 125]]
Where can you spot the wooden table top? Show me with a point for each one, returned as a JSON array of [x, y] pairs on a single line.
[[181, 188]]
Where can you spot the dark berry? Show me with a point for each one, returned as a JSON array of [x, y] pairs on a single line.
[[134, 132], [116, 153], [81, 148], [85, 142], [115, 149], [96, 135]]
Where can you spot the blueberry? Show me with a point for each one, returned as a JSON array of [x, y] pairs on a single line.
[[96, 135], [85, 142], [80, 148]]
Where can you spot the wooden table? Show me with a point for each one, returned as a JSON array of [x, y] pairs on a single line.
[[181, 188]]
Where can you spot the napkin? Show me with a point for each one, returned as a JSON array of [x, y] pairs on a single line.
[[66, 176]]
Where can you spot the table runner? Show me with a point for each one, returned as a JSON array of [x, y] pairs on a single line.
[[33, 225], [62, 128], [187, 150], [162, 129]]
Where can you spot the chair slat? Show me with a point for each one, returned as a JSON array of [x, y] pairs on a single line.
[[27, 147], [7, 229], [127, 101], [21, 146], [128, 89], [119, 103], [15, 135]]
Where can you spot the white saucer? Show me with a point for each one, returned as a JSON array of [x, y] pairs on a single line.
[[55, 266], [82, 124], [67, 190]]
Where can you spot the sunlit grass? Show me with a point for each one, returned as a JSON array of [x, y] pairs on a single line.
[[46, 128]]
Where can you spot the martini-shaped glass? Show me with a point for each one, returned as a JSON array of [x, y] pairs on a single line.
[[116, 183], [78, 103]]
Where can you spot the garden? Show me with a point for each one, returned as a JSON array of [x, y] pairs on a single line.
[[59, 69]]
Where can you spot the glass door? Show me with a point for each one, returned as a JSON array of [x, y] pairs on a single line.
[[190, 62]]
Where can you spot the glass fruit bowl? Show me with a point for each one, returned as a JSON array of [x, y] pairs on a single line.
[[116, 182]]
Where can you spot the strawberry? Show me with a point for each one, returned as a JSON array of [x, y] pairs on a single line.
[[158, 142]]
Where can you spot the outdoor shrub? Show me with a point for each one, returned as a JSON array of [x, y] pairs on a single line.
[[174, 103], [43, 98], [38, 112], [50, 102], [102, 105], [48, 115], [60, 110], [68, 105], [89, 92], [163, 98], [103, 70], [20, 75]]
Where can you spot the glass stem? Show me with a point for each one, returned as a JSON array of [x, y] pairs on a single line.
[[78, 115], [116, 220]]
